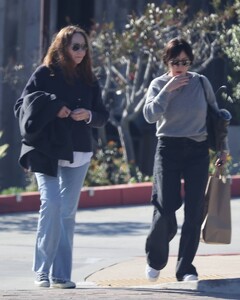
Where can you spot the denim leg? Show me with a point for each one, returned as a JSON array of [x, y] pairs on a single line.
[[71, 182], [48, 231], [163, 230], [195, 179]]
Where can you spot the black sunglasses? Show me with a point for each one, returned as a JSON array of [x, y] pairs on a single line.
[[79, 47], [178, 62]]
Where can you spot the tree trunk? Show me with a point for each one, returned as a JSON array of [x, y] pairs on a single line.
[[102, 137], [126, 142]]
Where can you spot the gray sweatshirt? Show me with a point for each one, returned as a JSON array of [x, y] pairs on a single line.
[[181, 113]]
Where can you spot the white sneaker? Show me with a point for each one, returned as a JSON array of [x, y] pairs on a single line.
[[62, 284], [190, 277], [151, 274], [42, 280]]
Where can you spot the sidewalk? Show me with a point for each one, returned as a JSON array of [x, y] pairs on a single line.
[[109, 260], [218, 274], [219, 279], [132, 273]]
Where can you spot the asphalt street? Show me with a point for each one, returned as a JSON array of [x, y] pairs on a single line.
[[104, 237]]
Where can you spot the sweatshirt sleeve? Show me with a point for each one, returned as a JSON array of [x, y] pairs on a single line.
[[157, 99]]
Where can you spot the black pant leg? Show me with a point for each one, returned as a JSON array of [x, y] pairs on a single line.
[[195, 175], [163, 229]]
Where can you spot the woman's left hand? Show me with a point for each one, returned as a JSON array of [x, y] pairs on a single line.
[[80, 114], [222, 159]]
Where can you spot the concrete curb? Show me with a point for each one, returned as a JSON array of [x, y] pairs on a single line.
[[221, 286], [225, 280], [115, 195]]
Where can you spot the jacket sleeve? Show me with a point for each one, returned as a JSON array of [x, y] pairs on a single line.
[[222, 131], [99, 112], [36, 83], [38, 109]]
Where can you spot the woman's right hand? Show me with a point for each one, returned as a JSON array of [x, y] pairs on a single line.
[[64, 112], [176, 82], [222, 159]]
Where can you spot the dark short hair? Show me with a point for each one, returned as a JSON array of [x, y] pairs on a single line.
[[174, 47]]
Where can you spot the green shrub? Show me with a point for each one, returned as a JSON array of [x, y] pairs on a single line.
[[108, 167], [12, 191]]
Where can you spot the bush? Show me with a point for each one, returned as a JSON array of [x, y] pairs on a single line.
[[108, 167], [12, 191], [232, 167]]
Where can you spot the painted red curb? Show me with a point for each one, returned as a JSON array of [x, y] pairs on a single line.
[[235, 186], [115, 195], [23, 202], [101, 196]]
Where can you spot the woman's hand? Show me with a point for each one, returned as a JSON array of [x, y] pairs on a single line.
[[80, 114], [64, 112], [222, 159], [176, 82]]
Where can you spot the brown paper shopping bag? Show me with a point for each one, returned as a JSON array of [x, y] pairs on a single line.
[[216, 226]]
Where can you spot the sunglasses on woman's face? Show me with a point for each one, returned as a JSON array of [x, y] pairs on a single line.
[[79, 47], [178, 62]]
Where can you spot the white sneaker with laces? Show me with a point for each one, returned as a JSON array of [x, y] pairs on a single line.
[[42, 280], [151, 274], [190, 277], [62, 284]]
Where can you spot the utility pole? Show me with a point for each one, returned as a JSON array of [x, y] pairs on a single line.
[[44, 28]]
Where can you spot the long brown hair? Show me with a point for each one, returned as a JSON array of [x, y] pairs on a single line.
[[58, 56]]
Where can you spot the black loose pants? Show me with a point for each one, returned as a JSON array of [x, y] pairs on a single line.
[[177, 159]]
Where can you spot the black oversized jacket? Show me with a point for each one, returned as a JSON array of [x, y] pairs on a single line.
[[47, 138]]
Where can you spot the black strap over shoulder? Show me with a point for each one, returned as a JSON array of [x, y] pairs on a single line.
[[205, 94], [217, 124]]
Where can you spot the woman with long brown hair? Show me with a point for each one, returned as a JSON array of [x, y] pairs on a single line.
[[57, 110]]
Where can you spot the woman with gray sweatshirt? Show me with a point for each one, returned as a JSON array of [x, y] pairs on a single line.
[[176, 103]]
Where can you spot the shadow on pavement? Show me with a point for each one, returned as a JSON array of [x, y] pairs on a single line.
[[27, 223], [193, 293]]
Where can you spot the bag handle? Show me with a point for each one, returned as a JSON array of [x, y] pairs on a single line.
[[205, 94], [221, 173]]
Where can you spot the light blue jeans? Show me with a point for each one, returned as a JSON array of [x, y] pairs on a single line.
[[59, 201]]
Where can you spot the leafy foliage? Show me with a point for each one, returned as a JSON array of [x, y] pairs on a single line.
[[12, 191], [108, 167], [127, 61], [231, 47]]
